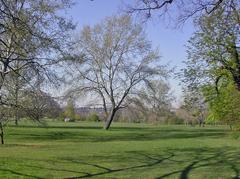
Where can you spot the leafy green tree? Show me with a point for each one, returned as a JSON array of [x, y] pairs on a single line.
[[213, 51], [93, 117], [224, 105], [213, 63], [70, 110]]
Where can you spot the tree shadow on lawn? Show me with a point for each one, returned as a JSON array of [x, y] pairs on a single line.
[[122, 128], [205, 158], [118, 134], [12, 172], [160, 164], [56, 127]]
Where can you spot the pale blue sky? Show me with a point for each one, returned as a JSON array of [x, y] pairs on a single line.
[[170, 41]]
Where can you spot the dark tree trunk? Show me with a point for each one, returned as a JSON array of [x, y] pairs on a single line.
[[16, 102], [110, 119], [235, 55], [236, 78], [1, 133], [201, 124], [104, 105], [16, 117], [238, 84]]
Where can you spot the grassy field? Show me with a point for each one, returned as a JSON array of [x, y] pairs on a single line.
[[84, 150]]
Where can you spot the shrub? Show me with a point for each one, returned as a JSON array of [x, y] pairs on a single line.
[[77, 117], [93, 117]]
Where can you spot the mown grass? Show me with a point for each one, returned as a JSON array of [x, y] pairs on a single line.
[[84, 150]]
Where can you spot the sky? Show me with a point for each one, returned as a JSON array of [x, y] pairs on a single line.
[[171, 42]]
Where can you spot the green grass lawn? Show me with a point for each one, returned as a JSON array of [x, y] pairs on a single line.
[[85, 150]]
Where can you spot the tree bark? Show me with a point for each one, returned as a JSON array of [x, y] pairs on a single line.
[[16, 116], [110, 119], [16, 121], [1, 133]]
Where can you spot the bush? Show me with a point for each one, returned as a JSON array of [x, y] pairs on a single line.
[[174, 120], [93, 117], [77, 117]]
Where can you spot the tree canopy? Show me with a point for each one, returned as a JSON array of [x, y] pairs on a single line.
[[115, 58]]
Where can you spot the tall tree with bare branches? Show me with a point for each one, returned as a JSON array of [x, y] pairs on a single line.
[[115, 59], [180, 10], [32, 33]]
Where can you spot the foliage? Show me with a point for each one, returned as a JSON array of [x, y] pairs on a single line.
[[213, 51], [93, 117], [213, 63], [224, 105], [69, 111], [78, 117], [174, 119]]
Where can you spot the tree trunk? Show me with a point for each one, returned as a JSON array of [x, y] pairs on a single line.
[[110, 119], [1, 133], [201, 123], [16, 102], [238, 84], [16, 116]]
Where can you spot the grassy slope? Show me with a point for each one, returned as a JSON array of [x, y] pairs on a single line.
[[126, 151]]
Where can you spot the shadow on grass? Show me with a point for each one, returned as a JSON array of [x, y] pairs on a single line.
[[96, 134], [171, 163], [203, 158], [19, 173], [208, 158]]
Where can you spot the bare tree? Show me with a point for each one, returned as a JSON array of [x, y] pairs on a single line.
[[157, 98], [31, 32], [195, 104], [15, 84], [38, 104], [115, 59], [185, 8], [4, 119]]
